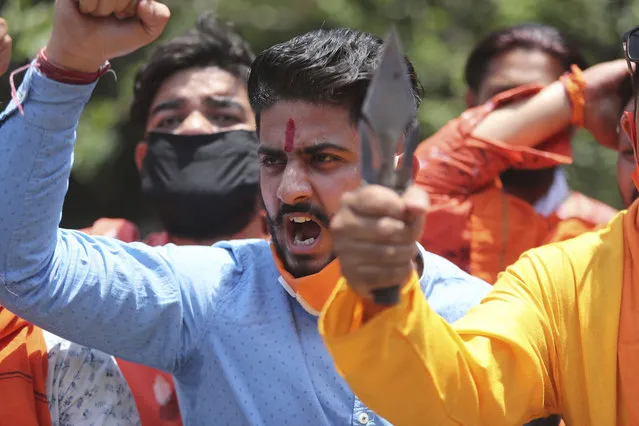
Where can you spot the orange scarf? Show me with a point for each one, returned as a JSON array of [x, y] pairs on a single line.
[[311, 291], [23, 372]]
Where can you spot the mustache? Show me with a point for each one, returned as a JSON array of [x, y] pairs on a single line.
[[306, 208]]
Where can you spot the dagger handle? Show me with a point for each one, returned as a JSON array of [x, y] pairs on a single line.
[[387, 177]]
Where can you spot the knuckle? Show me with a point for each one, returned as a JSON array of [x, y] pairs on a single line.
[[389, 227]]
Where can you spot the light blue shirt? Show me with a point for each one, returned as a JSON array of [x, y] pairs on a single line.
[[241, 349]]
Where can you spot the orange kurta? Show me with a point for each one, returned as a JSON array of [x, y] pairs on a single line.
[[472, 221], [23, 373], [146, 383], [554, 336]]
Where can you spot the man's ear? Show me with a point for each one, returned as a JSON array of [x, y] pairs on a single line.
[[140, 154], [471, 99]]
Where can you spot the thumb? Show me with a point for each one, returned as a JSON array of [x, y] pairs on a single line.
[[153, 17], [416, 201]]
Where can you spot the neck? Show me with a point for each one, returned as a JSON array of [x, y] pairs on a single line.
[[255, 229], [528, 185]]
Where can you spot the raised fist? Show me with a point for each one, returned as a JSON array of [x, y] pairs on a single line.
[[86, 33]]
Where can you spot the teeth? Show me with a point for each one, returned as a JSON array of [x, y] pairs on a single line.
[[306, 242], [300, 219]]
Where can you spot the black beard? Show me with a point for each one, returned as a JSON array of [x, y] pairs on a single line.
[[276, 227]]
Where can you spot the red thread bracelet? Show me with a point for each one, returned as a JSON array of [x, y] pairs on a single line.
[[67, 76], [56, 73]]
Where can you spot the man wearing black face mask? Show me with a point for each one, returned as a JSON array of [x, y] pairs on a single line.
[[198, 164], [198, 161]]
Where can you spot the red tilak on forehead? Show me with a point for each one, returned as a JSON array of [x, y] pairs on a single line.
[[290, 136]]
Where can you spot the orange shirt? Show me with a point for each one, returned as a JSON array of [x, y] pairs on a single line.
[[153, 390], [472, 221], [23, 372]]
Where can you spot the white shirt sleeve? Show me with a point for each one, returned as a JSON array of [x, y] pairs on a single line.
[[85, 387]]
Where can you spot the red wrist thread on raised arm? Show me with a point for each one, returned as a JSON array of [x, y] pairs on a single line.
[[56, 73], [67, 76]]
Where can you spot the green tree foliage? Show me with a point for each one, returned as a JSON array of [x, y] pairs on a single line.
[[437, 34]]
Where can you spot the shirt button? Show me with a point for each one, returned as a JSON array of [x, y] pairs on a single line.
[[363, 419]]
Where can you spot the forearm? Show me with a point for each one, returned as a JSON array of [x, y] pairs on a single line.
[[457, 160], [407, 364], [530, 122]]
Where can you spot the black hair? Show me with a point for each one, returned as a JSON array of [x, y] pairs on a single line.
[[526, 36], [209, 44], [332, 66]]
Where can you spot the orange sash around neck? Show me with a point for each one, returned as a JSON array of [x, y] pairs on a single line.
[[311, 291], [23, 373]]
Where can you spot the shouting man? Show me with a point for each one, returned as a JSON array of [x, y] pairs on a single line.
[[235, 323]]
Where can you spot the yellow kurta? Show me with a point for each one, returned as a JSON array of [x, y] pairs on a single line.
[[544, 341]]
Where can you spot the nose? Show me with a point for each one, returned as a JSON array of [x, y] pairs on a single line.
[[295, 186], [196, 124]]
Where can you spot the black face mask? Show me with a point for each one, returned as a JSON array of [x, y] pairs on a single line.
[[202, 186]]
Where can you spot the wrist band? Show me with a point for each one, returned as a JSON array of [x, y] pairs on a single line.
[[575, 86], [56, 73], [67, 76]]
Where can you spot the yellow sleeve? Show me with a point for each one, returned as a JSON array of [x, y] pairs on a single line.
[[493, 367]]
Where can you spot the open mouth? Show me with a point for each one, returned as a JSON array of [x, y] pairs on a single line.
[[303, 231]]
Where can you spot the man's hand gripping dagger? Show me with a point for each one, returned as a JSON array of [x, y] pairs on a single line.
[[375, 230]]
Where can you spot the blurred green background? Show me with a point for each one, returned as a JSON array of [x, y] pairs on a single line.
[[437, 34]]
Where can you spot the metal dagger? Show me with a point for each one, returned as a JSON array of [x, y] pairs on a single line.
[[388, 113]]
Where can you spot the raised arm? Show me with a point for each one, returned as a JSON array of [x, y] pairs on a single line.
[[529, 122], [520, 128], [131, 300], [456, 163]]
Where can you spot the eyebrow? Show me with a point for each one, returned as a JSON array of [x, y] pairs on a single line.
[[169, 105], [265, 150], [209, 101], [219, 102]]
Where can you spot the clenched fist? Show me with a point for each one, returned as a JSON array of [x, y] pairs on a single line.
[[86, 33], [5, 46], [374, 235]]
